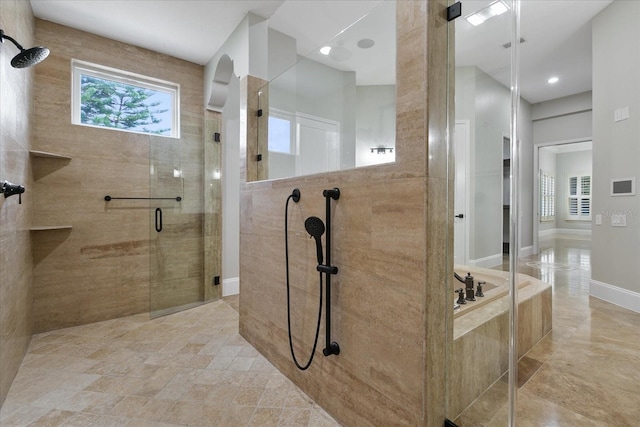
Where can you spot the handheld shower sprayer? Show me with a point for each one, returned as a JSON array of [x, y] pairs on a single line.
[[315, 228]]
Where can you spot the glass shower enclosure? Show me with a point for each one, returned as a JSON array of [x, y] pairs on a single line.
[[482, 365], [185, 218]]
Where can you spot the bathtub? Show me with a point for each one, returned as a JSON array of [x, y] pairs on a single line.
[[480, 351]]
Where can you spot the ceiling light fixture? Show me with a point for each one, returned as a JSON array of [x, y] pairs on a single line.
[[325, 50], [553, 80], [494, 9], [366, 43], [381, 149]]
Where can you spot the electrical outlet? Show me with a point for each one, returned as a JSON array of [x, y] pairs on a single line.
[[620, 114], [619, 220]]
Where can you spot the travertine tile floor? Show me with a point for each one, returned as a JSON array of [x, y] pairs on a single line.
[[192, 368], [586, 372], [188, 368]]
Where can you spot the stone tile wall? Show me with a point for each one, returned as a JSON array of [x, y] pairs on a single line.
[[16, 110], [100, 269]]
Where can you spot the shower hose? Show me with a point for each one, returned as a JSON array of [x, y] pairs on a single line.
[[286, 256]]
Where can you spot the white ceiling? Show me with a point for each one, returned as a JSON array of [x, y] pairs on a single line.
[[557, 32], [557, 37]]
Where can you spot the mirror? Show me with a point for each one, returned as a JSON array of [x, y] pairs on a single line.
[[335, 108]]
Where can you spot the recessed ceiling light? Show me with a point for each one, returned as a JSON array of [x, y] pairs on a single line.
[[553, 80], [366, 43], [325, 50], [494, 9]]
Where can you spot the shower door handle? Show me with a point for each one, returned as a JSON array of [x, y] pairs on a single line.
[[158, 220], [460, 216]]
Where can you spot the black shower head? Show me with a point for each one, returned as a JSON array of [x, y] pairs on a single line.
[[26, 57], [315, 228]]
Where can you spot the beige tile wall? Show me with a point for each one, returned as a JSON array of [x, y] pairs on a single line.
[[16, 109], [480, 355], [101, 268], [390, 242]]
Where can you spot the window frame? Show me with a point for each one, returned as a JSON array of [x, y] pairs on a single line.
[[291, 118], [79, 68], [579, 197], [547, 197]]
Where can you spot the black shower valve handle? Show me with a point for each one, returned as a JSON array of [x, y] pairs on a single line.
[[9, 189]]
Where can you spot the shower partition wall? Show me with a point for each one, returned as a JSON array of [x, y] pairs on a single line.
[[185, 232]]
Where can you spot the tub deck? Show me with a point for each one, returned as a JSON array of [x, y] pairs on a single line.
[[480, 352]]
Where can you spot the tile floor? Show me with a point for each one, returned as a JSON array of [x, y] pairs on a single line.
[[586, 371], [188, 368], [192, 368]]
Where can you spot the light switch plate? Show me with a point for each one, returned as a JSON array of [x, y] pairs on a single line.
[[598, 219]]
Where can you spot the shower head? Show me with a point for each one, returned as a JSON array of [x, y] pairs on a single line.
[[315, 228], [26, 57]]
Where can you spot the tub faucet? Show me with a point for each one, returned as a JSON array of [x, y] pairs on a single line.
[[479, 292], [468, 282], [460, 293]]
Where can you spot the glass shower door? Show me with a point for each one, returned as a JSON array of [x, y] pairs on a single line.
[[479, 383], [184, 211]]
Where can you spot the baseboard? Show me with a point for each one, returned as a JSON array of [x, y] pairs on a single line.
[[615, 295], [526, 251], [564, 231], [230, 286], [487, 262]]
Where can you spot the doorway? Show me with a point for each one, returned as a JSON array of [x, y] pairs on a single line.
[[556, 212]]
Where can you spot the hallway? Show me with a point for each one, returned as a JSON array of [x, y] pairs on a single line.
[[192, 368]]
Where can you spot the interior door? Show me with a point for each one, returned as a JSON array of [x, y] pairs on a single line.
[[461, 208], [318, 145]]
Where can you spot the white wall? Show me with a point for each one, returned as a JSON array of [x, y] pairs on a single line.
[[247, 47], [318, 90], [616, 151], [487, 105], [375, 123], [563, 119], [527, 175], [282, 53]]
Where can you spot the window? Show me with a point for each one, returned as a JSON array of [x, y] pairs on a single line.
[[281, 132], [579, 200], [547, 197], [106, 97]]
